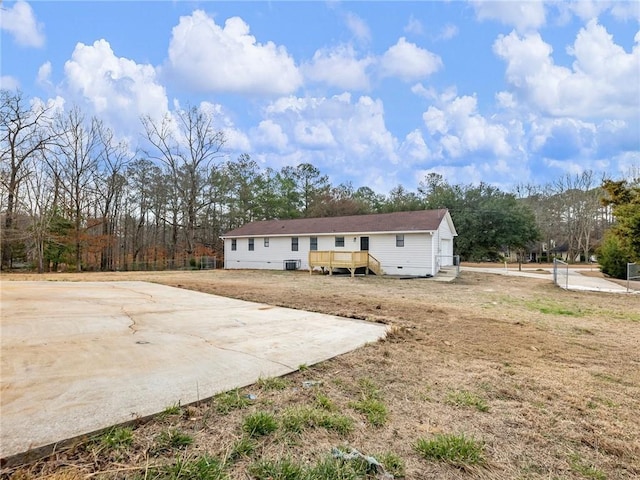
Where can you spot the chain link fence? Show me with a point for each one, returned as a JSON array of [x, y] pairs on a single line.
[[448, 262], [193, 263], [561, 273]]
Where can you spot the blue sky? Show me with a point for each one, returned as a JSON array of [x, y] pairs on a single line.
[[375, 93]]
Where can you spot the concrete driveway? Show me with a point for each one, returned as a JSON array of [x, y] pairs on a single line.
[[572, 280], [79, 357]]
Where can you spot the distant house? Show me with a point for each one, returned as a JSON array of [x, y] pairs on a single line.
[[399, 243]]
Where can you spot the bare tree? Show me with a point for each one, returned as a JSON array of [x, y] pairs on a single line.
[[143, 177], [188, 146], [74, 164], [112, 159], [24, 131], [580, 210], [38, 204]]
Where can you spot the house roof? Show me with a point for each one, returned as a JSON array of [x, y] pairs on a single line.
[[416, 221]]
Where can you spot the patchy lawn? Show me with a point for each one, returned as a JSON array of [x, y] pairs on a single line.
[[486, 377]]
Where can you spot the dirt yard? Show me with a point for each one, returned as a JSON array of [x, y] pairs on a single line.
[[546, 382]]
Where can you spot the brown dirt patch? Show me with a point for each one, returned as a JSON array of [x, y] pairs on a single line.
[[559, 372]]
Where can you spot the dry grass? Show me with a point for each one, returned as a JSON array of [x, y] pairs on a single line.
[[562, 391]]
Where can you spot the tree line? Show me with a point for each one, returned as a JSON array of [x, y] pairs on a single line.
[[75, 194]]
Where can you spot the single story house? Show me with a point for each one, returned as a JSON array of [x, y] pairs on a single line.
[[399, 243]]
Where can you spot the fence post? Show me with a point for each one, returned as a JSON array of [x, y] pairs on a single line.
[[632, 274]]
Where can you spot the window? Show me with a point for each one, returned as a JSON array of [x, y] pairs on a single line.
[[339, 241], [251, 245], [234, 244], [400, 240], [313, 243], [294, 244], [266, 241]]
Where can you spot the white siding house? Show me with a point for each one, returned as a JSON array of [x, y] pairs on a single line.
[[404, 243]]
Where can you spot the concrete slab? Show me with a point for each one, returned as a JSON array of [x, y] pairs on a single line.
[[79, 357]]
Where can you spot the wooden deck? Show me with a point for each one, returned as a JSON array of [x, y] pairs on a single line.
[[331, 259]]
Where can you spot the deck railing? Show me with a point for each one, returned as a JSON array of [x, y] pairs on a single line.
[[331, 259]]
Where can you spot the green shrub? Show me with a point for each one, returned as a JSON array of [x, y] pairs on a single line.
[[613, 257]]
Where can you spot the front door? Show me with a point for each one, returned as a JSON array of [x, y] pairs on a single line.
[[364, 243]]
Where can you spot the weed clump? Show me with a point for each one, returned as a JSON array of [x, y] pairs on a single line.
[[455, 449], [283, 469], [272, 383], [464, 398], [117, 438], [173, 439], [370, 403], [375, 411], [259, 424], [201, 468], [231, 400], [298, 419]]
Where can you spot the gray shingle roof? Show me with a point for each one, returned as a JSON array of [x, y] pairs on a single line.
[[420, 220]]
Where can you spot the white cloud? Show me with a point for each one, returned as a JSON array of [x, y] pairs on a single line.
[[448, 32], [8, 82], [420, 90], [457, 175], [459, 129], [414, 26], [211, 58], [20, 22], [358, 27], [236, 140], [524, 16], [269, 134], [604, 79], [313, 134], [44, 74], [339, 67], [335, 131], [569, 167], [626, 11], [408, 61], [414, 149], [628, 164], [563, 138], [589, 9], [586, 9], [116, 88], [506, 100]]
